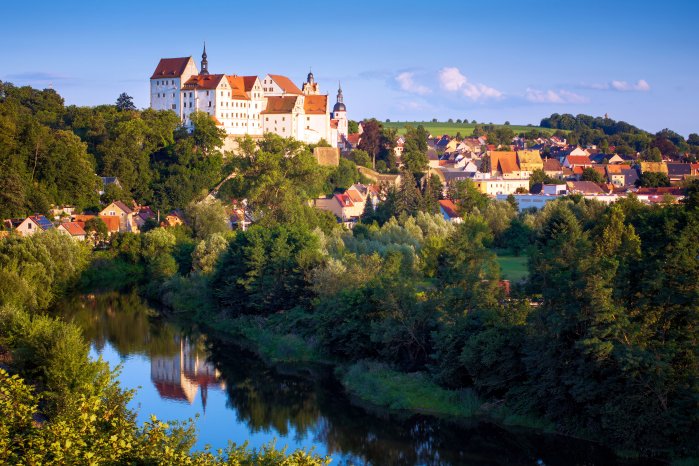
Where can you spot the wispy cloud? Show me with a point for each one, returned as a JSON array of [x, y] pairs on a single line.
[[551, 96], [622, 86], [37, 76], [407, 83], [452, 80]]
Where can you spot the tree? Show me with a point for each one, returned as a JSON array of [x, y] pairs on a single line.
[[125, 102], [96, 228], [653, 180], [208, 218], [372, 141], [352, 127], [360, 157], [590, 174]]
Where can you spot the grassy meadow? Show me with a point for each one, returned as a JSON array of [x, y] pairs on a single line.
[[466, 129], [513, 268]]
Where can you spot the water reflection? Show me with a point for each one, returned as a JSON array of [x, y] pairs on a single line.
[[180, 376], [301, 408]]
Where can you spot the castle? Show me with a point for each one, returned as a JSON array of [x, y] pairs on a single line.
[[248, 105]]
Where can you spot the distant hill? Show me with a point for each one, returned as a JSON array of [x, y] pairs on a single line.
[[466, 129]]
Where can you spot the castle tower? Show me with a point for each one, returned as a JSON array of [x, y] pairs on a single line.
[[204, 62], [310, 87], [340, 113]]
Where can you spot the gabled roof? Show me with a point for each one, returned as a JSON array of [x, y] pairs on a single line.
[[112, 222], [617, 169], [344, 200], [504, 161], [354, 138], [43, 222], [203, 81], [579, 160], [449, 208], [170, 67], [249, 82], [679, 169], [73, 228], [529, 156], [122, 206], [315, 104], [354, 195], [280, 104], [552, 165], [237, 84], [658, 167], [630, 176], [286, 84]]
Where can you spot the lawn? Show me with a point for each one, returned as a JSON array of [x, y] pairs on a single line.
[[513, 268], [466, 129]]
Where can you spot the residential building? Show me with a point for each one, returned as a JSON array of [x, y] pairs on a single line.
[[33, 224], [72, 229], [121, 211], [504, 164], [529, 160], [495, 186], [449, 211]]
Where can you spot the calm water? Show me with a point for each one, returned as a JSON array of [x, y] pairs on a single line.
[[179, 375]]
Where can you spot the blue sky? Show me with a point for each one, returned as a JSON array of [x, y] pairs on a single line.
[[490, 61]]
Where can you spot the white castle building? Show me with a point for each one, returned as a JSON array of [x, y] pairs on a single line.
[[246, 105]]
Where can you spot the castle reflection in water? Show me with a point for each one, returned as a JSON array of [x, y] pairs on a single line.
[[179, 377]]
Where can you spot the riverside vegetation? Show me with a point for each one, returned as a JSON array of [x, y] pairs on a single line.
[[600, 341]]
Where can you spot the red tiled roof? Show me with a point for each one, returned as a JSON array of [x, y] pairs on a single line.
[[73, 228], [578, 170], [354, 195], [344, 200], [170, 67], [552, 165], [280, 104], [286, 84], [249, 82], [315, 104], [203, 81], [112, 222], [449, 207], [504, 161], [579, 160], [237, 84], [333, 123], [354, 138]]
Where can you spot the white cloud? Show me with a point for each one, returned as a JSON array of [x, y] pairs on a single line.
[[641, 86], [407, 83], [451, 79], [554, 97], [623, 86]]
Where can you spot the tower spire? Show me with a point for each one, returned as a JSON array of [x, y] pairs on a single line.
[[339, 92], [204, 62]]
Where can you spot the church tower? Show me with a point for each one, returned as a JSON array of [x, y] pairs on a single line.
[[340, 113], [310, 87], [204, 62]]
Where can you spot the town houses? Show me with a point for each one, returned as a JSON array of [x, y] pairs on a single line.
[[249, 105]]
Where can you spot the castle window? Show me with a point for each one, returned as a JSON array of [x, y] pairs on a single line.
[[207, 92], [174, 106], [209, 103]]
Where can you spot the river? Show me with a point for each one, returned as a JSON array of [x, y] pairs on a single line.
[[178, 374]]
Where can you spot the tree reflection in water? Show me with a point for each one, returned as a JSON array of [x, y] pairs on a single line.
[[306, 401]]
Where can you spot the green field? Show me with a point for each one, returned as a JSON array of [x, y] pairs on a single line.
[[466, 129], [513, 268]]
